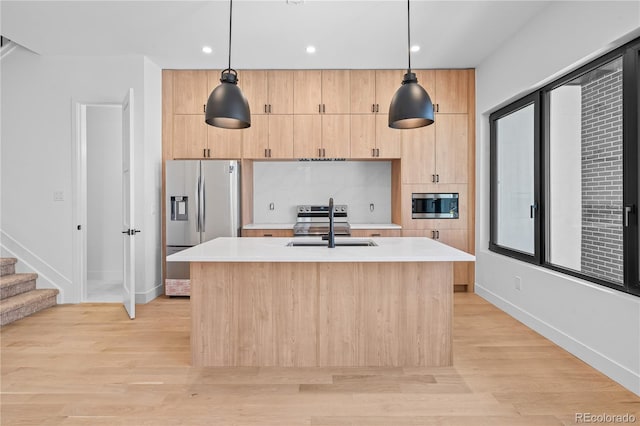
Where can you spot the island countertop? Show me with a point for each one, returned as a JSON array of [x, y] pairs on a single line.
[[268, 249]]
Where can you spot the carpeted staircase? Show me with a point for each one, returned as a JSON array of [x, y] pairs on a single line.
[[18, 295]]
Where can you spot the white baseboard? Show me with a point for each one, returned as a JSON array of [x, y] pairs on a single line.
[[48, 276], [600, 362], [149, 295]]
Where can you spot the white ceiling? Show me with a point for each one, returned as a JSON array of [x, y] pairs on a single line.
[[270, 33]]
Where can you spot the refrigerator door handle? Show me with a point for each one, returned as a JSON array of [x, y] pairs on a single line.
[[233, 199], [197, 198], [203, 205]]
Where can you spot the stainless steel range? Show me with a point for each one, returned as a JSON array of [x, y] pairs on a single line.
[[314, 220]]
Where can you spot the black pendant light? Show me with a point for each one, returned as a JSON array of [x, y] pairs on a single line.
[[411, 106], [227, 107]]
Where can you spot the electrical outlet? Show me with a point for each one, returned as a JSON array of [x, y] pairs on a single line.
[[517, 282], [58, 196]]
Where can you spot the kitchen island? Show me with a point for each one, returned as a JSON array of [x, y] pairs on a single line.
[[261, 302]]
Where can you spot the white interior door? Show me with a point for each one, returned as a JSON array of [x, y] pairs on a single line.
[[129, 231]]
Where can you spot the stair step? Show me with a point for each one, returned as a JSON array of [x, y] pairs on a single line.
[[7, 266], [11, 285], [25, 304]]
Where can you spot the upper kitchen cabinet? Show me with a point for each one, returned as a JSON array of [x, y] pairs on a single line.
[[268, 92], [372, 90], [438, 153], [371, 137], [189, 136], [269, 136], [321, 92], [190, 92], [451, 91], [224, 143], [321, 136]]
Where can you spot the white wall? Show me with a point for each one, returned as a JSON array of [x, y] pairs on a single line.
[[597, 324], [37, 140], [287, 184], [104, 193]]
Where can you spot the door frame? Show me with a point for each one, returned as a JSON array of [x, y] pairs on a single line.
[[79, 194]]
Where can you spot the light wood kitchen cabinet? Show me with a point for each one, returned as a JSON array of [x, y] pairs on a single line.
[[224, 143], [321, 92], [267, 233], [190, 91], [268, 92], [189, 136], [370, 233], [456, 238], [451, 91], [436, 153], [193, 138], [270, 136], [321, 136], [372, 90], [371, 137]]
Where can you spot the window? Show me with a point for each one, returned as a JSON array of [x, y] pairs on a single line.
[[514, 140], [564, 173]]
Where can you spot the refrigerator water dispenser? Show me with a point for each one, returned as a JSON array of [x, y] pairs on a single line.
[[179, 207]]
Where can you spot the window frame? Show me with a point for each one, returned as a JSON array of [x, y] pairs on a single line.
[[630, 54], [531, 99]]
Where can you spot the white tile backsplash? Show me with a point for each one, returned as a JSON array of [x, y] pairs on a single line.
[[289, 183]]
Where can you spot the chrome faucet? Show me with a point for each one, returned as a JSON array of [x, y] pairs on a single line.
[[332, 236]]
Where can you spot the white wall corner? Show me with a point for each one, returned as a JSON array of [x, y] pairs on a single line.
[[149, 295]]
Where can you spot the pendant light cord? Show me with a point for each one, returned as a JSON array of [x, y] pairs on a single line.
[[230, 15], [409, 34]]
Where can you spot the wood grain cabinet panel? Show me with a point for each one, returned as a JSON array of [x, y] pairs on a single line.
[[372, 233], [388, 140], [336, 136], [336, 86], [254, 85], [307, 92], [255, 139], [189, 136], [363, 91], [267, 233], [280, 91], [452, 91], [270, 136], [281, 136], [419, 155], [224, 143], [190, 91], [452, 150], [387, 83], [307, 136], [363, 135]]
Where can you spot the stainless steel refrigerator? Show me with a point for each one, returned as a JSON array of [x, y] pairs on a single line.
[[202, 204]]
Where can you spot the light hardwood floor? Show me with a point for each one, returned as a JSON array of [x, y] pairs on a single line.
[[89, 365]]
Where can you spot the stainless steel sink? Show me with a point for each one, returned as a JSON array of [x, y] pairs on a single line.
[[339, 243]]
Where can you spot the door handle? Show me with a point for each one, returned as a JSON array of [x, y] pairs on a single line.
[[203, 206], [627, 211], [197, 199], [532, 210]]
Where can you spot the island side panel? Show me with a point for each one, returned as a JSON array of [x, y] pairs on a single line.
[[254, 314], [322, 314], [386, 314]]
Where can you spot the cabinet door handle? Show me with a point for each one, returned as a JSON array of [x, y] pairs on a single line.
[[204, 108], [265, 153], [437, 235], [269, 108], [375, 235], [324, 152], [319, 152], [204, 152], [373, 152], [377, 152], [268, 235], [269, 152], [377, 107], [433, 235], [265, 108], [319, 108], [324, 109], [437, 178], [433, 178], [208, 153], [373, 107]]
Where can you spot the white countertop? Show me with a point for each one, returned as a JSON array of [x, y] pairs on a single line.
[[269, 249], [352, 225]]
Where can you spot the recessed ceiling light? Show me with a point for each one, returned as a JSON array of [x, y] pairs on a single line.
[[311, 49], [207, 49], [415, 48]]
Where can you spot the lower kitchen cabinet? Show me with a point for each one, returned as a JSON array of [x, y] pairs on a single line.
[[376, 233], [457, 238], [267, 233]]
